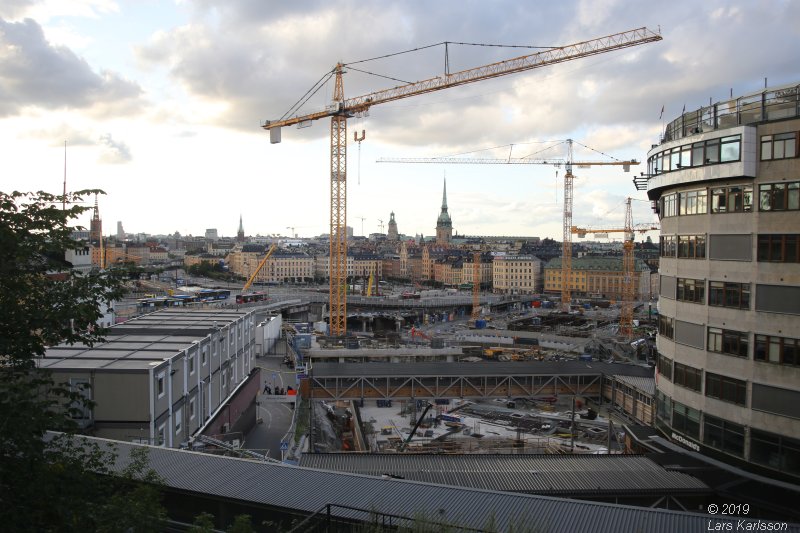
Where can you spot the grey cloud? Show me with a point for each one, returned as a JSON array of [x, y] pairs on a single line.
[[114, 152], [35, 73], [10, 9], [260, 57]]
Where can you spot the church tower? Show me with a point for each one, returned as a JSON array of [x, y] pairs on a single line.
[[444, 226], [96, 225], [240, 233], [392, 235]]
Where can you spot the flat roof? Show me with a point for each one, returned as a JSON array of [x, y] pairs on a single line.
[[141, 343], [483, 368]]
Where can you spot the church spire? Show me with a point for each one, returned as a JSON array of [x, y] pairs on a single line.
[[444, 196], [240, 233]]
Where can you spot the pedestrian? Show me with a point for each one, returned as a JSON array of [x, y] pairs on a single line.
[[266, 388]]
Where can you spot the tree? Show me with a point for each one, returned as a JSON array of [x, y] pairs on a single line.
[[48, 481]]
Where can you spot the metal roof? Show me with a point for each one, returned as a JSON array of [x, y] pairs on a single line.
[[138, 343], [571, 475], [308, 490], [644, 384], [484, 368]]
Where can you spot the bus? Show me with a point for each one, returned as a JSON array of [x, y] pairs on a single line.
[[251, 297], [213, 294], [146, 305]]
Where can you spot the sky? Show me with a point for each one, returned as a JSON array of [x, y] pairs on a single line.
[[161, 103]]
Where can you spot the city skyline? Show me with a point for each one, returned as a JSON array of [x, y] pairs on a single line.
[[160, 105]]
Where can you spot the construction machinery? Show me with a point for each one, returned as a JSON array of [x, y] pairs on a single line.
[[341, 109], [628, 288], [258, 268], [414, 429], [568, 163]]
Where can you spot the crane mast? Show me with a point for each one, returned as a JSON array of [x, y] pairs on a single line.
[[566, 243], [626, 313], [342, 108], [476, 285]]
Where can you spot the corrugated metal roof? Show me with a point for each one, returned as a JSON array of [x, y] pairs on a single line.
[[644, 384], [309, 490], [528, 473]]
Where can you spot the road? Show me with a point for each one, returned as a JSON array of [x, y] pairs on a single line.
[[275, 417]]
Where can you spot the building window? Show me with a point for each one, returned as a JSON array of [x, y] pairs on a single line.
[[724, 294], [160, 384], [723, 435], [686, 420], [191, 364], [734, 199], [204, 356], [666, 326], [691, 290], [693, 202], [779, 248], [730, 147], [668, 245], [778, 350], [669, 205], [692, 246], [662, 406], [775, 451], [726, 389], [687, 376], [727, 342], [665, 367], [192, 410], [161, 435], [779, 196], [779, 146], [178, 414]]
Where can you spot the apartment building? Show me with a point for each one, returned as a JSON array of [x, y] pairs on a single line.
[[599, 277], [516, 274], [725, 182]]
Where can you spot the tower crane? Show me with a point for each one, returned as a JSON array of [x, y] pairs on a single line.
[[628, 289], [341, 109], [568, 163]]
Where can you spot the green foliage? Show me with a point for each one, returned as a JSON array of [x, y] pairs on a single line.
[[42, 303], [241, 524], [203, 523], [52, 482], [210, 269]]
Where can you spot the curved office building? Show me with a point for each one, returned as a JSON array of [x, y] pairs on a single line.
[[725, 182]]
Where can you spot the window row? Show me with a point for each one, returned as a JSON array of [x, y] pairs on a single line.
[[683, 246], [708, 152], [784, 196], [766, 348], [717, 386], [768, 449]]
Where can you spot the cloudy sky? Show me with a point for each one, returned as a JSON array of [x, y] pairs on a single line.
[[160, 104]]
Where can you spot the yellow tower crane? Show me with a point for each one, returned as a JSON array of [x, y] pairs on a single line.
[[628, 288], [341, 109], [568, 163]]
